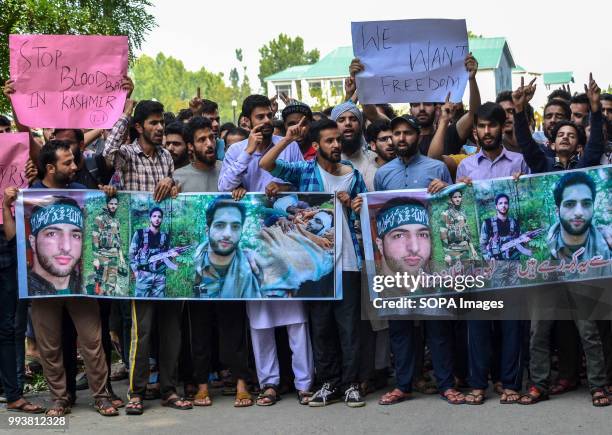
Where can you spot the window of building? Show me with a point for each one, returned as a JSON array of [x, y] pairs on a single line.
[[284, 88], [336, 87]]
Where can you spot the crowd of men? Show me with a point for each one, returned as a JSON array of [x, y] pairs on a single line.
[[178, 351]]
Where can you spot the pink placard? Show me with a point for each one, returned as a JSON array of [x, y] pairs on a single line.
[[14, 153], [68, 81]]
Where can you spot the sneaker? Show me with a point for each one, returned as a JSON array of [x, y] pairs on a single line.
[[325, 396], [352, 397]]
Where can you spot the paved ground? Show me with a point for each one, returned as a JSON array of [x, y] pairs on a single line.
[[568, 414]]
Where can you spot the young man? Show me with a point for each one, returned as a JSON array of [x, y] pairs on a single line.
[[202, 175], [150, 276], [9, 351], [493, 161], [53, 273], [379, 137], [144, 165], [210, 110], [350, 124], [580, 106], [337, 369], [411, 170], [292, 114], [241, 169], [567, 138], [574, 232], [174, 141], [504, 99], [235, 134], [106, 249]]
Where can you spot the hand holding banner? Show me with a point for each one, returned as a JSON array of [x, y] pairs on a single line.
[[410, 60], [68, 81], [14, 151]]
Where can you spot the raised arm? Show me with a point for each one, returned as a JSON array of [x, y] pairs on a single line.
[[436, 148], [10, 196], [595, 146], [534, 156], [369, 110], [8, 89], [465, 123], [268, 160]]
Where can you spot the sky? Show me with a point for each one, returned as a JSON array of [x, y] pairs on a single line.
[[543, 35]]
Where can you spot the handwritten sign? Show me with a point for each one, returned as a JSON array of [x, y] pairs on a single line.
[[410, 60], [14, 152], [68, 81]]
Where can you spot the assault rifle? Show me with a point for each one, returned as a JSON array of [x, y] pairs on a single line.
[[167, 255], [523, 238]]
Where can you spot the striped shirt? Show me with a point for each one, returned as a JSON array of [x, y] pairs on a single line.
[[137, 171]]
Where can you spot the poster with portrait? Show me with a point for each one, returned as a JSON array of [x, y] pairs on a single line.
[[203, 246], [493, 234]]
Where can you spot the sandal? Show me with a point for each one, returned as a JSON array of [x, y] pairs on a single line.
[[563, 386], [202, 398], [509, 397], [304, 397], [173, 402], [105, 407], [59, 409], [533, 396], [117, 401], [240, 396], [477, 398], [134, 406], [266, 399], [600, 398], [27, 407], [453, 397], [394, 397]]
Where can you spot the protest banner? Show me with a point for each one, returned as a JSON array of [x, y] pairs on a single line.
[[495, 234], [197, 246], [14, 153], [68, 81], [408, 61]]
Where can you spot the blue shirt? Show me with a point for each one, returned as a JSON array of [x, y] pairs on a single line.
[[306, 177], [416, 174]]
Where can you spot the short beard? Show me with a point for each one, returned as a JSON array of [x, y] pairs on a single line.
[[47, 265], [202, 158], [328, 157], [407, 152], [568, 227], [181, 160], [350, 147], [221, 252], [494, 146]]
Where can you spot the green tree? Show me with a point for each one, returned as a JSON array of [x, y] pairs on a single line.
[[239, 90], [166, 79], [283, 52], [99, 17]]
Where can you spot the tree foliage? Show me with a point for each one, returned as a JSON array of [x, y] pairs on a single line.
[[284, 52], [86, 17], [165, 79]]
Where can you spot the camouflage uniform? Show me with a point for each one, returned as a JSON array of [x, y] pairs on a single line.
[[493, 234], [150, 277], [455, 236], [106, 242]]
